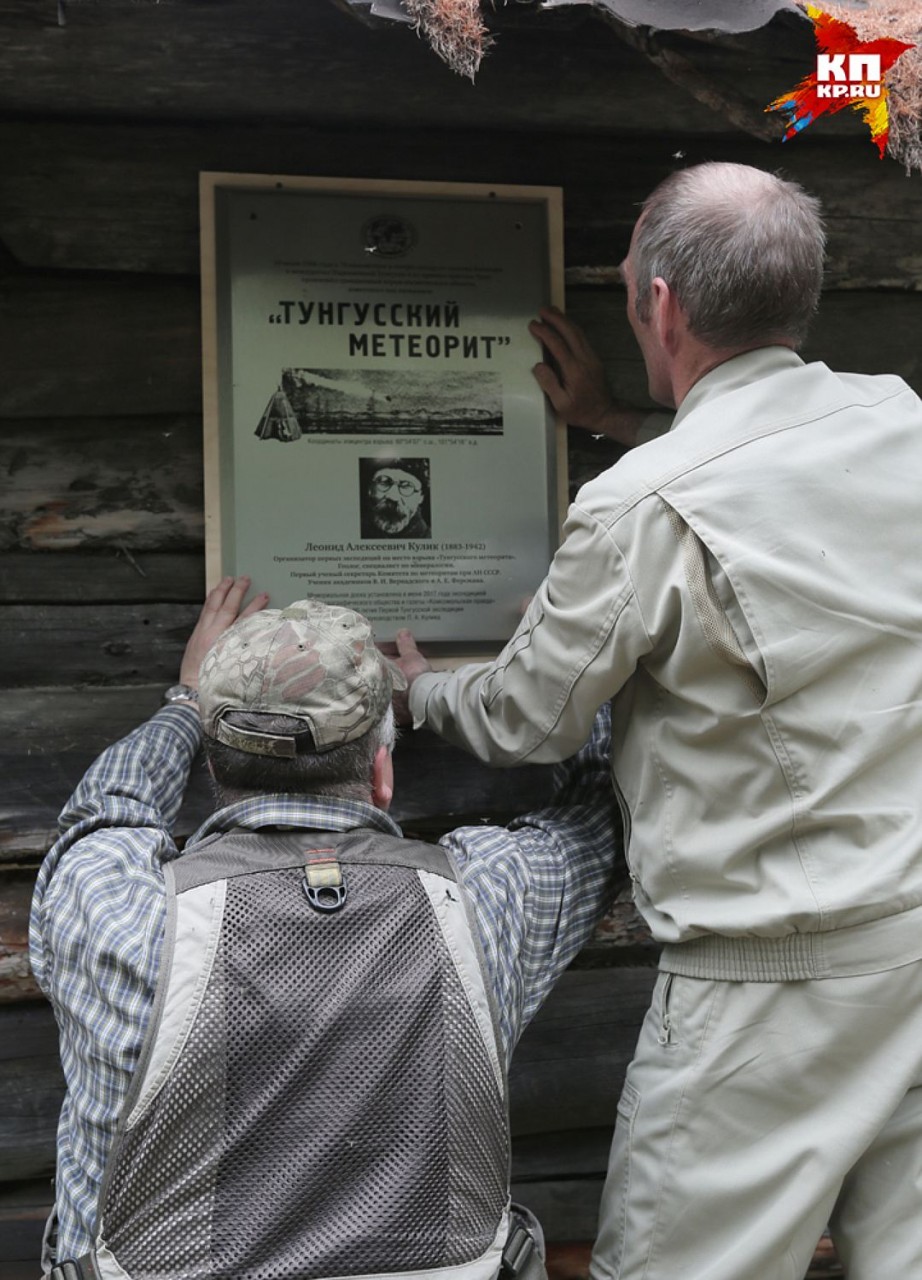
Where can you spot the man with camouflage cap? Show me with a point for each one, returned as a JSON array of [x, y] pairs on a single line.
[[315, 662], [301, 1025]]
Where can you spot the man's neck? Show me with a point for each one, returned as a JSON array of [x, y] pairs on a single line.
[[698, 360], [226, 796]]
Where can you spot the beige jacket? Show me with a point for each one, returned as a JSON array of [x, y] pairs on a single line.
[[748, 590]]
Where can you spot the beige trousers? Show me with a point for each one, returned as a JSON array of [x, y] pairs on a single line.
[[754, 1114]]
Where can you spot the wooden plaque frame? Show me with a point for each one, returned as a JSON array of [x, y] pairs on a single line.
[[365, 350]]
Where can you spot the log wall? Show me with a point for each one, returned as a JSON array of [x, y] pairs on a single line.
[[105, 124]]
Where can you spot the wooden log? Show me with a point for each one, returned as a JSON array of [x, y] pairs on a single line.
[[16, 981], [567, 1153], [567, 1070], [559, 1175], [621, 939], [99, 644], [32, 1087], [568, 1209], [81, 196], [24, 1209], [116, 575], [50, 736], [100, 347], [23, 1214], [130, 484], [288, 61]]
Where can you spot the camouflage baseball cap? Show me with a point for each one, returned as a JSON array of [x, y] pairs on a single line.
[[314, 661]]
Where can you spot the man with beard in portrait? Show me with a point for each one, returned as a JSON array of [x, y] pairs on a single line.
[[395, 499]]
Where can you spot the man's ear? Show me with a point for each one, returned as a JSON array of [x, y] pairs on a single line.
[[382, 779], [666, 315]]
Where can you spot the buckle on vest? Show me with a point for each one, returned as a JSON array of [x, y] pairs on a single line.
[[323, 880], [517, 1253], [76, 1269]]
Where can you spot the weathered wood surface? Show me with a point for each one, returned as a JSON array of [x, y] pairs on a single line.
[[51, 735], [129, 349], [286, 61], [113, 574], [125, 483], [16, 980], [865, 331], [567, 1070], [32, 1087], [100, 347], [111, 198], [99, 644], [24, 1208]]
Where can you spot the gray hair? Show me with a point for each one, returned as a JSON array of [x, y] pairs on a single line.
[[343, 771], [741, 249]]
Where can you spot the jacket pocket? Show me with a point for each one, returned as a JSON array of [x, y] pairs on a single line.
[[667, 1028]]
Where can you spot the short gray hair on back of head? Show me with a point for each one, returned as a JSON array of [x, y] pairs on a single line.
[[343, 771], [741, 249]]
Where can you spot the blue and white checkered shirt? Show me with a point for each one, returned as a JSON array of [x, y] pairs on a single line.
[[537, 888]]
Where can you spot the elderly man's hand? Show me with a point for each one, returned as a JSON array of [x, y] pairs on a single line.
[[577, 387], [412, 663], [220, 611]]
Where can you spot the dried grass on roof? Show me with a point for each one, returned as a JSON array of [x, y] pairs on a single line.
[[455, 29], [901, 20]]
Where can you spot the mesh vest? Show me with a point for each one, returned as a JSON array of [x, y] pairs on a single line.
[[320, 1093]]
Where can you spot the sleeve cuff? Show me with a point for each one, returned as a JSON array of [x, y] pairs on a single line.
[[185, 717]]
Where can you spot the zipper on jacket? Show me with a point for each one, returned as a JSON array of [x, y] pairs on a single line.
[[625, 827], [665, 1036]]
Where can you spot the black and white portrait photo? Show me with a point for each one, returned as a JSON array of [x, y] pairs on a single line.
[[394, 499]]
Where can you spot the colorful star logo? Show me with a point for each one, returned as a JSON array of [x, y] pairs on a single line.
[[849, 73]]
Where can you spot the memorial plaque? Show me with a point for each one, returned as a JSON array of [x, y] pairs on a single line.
[[374, 436]]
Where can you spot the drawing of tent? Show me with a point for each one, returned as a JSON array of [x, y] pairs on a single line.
[[278, 421]]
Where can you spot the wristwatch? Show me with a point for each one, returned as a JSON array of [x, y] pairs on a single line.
[[181, 693]]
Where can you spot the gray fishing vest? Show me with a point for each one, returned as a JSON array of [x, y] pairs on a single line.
[[321, 1092]]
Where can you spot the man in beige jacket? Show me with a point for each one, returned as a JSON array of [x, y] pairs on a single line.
[[747, 590]]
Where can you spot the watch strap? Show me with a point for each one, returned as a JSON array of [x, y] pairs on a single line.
[[181, 693]]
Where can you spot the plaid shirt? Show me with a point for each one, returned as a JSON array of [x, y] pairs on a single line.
[[537, 889]]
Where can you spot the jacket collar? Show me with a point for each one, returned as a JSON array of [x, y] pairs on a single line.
[[292, 812], [738, 371]]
